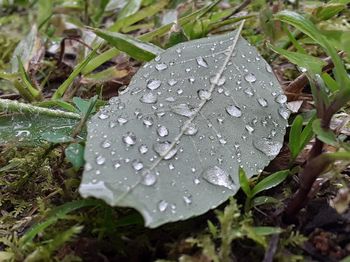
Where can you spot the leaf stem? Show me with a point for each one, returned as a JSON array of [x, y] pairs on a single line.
[[8, 105]]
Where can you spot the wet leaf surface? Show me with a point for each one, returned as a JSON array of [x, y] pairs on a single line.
[[172, 144]]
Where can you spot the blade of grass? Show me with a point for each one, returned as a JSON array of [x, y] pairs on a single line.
[[135, 48], [137, 17], [109, 54], [270, 181], [34, 92], [308, 28], [64, 86]]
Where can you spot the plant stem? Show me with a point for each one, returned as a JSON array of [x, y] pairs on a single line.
[[14, 106]]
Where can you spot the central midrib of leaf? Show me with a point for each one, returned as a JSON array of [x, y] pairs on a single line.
[[197, 110]]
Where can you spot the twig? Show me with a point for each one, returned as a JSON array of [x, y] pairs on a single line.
[[272, 248]]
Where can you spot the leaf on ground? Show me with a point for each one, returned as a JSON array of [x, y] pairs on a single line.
[[133, 47], [34, 128], [172, 144]]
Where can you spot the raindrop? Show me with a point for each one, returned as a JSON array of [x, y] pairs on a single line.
[[262, 102], [129, 138], [191, 80], [149, 179], [249, 129], [221, 120], [249, 92], [88, 166], [183, 110], [162, 131], [281, 99], [190, 129], [218, 82], [154, 84], [172, 82], [179, 91], [162, 205], [170, 99], [137, 165], [250, 78], [268, 68], [268, 147], [196, 181], [222, 141], [234, 111], [161, 67], [187, 199], [117, 165], [163, 149], [103, 116], [148, 121], [216, 176], [201, 61], [122, 120], [143, 149], [149, 98], [106, 144], [100, 160], [171, 166], [204, 94], [284, 112]]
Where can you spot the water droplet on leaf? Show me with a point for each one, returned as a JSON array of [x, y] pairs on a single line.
[[216, 176], [234, 111], [129, 138]]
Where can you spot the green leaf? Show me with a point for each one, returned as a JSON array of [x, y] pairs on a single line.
[[44, 12], [311, 63], [133, 47], [264, 200], [75, 155], [326, 136], [307, 133], [109, 54], [265, 231], [308, 28], [271, 181], [35, 93], [56, 137], [171, 145], [327, 11], [294, 136], [57, 103], [244, 183], [108, 74], [347, 259], [330, 82], [149, 11], [32, 128], [30, 124], [65, 85], [130, 8], [83, 105]]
